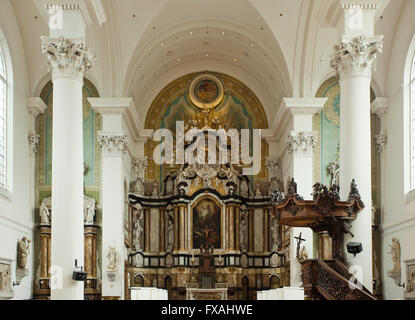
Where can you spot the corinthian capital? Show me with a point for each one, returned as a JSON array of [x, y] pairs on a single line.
[[67, 56], [357, 55], [112, 143], [303, 142]]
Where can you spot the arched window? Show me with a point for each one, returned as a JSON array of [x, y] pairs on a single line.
[[3, 120], [412, 101]]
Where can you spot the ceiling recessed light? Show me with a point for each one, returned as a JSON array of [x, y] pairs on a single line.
[[162, 44], [235, 60], [223, 32], [207, 54], [178, 59], [251, 44], [191, 32]]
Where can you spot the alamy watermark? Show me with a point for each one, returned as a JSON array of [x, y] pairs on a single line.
[[55, 17]]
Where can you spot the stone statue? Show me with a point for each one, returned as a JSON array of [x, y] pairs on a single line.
[[22, 252], [258, 193], [170, 235], [334, 172], [292, 187], [44, 215], [244, 188], [243, 229], [396, 255], [138, 168], [89, 210], [112, 259], [155, 193], [169, 186], [138, 229], [303, 255], [274, 173]]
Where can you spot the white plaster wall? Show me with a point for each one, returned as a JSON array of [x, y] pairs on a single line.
[[16, 218], [398, 214]]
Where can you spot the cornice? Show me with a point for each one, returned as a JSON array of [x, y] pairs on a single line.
[[123, 106], [304, 106], [35, 106], [380, 106], [73, 5], [111, 106]]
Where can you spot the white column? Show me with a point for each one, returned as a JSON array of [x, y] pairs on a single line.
[[68, 61], [35, 107], [300, 145], [113, 141], [353, 61]]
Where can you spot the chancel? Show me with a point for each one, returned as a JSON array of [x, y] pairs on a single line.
[[207, 150]]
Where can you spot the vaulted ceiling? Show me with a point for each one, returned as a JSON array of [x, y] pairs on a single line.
[[277, 48]]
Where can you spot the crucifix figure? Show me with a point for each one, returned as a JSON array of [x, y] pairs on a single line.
[[207, 231], [299, 240]]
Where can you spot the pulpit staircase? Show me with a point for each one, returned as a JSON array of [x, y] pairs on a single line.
[[329, 279]]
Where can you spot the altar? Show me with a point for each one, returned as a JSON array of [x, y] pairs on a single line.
[[220, 292]]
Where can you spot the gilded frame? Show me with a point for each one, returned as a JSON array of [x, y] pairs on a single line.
[[220, 205]]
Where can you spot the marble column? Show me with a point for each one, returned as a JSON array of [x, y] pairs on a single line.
[[147, 229], [68, 60], [251, 229], [113, 142], [162, 241], [237, 230], [266, 229], [176, 229], [182, 227], [231, 230], [354, 59], [300, 146]]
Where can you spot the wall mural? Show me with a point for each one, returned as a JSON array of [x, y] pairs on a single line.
[[327, 124], [240, 108], [92, 151], [207, 226]]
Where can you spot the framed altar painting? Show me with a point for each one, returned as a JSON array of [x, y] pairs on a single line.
[[206, 220]]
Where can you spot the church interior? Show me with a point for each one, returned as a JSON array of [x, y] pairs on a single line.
[[100, 198]]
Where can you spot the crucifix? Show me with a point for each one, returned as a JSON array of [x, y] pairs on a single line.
[[206, 230], [299, 240]]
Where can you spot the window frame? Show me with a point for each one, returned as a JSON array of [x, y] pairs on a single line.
[[3, 82], [412, 122], [6, 191]]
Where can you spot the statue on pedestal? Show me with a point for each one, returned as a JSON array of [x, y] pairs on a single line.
[[23, 252], [138, 229], [112, 259], [243, 229], [89, 210], [44, 215], [396, 254]]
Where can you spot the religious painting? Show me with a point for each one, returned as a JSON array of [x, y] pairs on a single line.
[[207, 227], [206, 91], [6, 291]]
